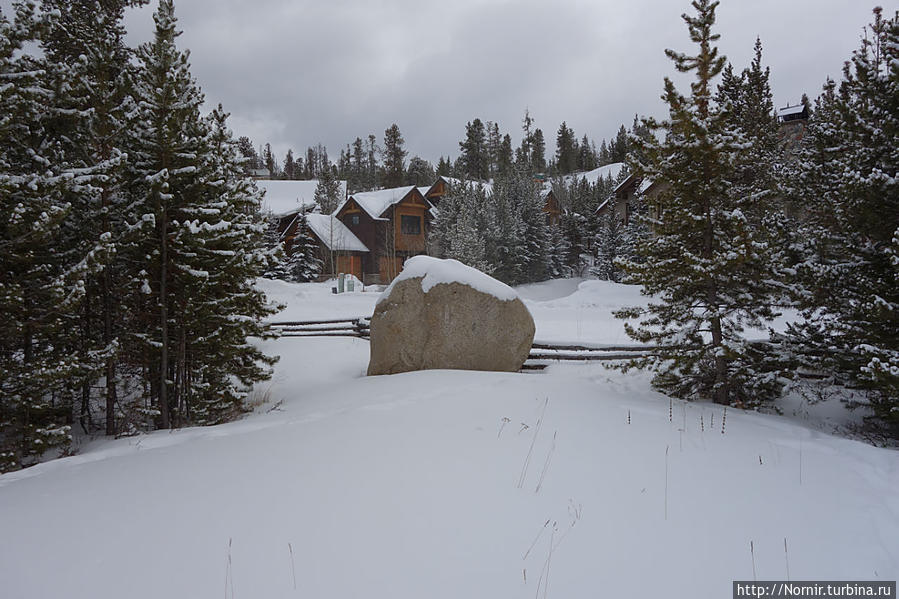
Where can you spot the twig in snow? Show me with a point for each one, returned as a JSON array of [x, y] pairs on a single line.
[[787, 558], [527, 460], [505, 421], [752, 553], [549, 456], [293, 570], [537, 538], [724, 420], [229, 577], [670, 409]]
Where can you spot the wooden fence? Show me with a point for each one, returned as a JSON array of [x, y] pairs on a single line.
[[542, 354]]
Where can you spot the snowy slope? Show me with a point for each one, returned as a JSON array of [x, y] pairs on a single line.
[[451, 484]]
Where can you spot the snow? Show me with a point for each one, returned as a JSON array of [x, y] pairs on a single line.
[[334, 234], [434, 271], [376, 202], [596, 174], [289, 197], [453, 484], [790, 110]]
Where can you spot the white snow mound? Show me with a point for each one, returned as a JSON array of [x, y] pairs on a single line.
[[434, 271]]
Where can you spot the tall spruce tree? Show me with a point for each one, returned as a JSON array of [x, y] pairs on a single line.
[[475, 159], [846, 184], [327, 192], [86, 46], [39, 289], [394, 157], [706, 264], [202, 243]]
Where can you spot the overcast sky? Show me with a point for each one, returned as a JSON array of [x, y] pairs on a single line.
[[298, 72]]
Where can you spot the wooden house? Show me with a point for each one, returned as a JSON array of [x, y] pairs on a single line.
[[439, 189], [793, 124], [551, 207], [392, 224], [627, 195]]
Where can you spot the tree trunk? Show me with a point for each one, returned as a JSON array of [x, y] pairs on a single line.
[[111, 393], [164, 324]]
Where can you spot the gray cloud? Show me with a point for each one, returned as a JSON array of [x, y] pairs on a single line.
[[299, 72]]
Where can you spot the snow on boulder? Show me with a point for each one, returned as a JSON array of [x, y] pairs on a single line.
[[443, 314]]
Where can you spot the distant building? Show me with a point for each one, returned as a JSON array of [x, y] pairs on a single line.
[[793, 125]]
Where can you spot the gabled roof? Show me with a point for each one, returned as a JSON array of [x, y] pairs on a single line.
[[283, 198], [334, 234], [791, 111], [376, 203]]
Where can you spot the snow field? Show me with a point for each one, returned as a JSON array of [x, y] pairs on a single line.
[[425, 484]]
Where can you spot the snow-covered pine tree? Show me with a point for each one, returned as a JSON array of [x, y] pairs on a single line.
[[705, 264], [85, 44], [215, 365], [39, 288], [303, 263], [202, 243], [848, 187], [273, 240], [327, 192], [420, 172], [466, 238], [444, 222], [518, 241], [609, 245]]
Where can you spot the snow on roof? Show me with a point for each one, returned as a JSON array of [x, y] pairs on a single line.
[[596, 174], [790, 110], [423, 190], [376, 202], [334, 234], [288, 197], [434, 271]]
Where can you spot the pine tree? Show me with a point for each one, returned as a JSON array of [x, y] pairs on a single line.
[[394, 157], [273, 241], [303, 263], [466, 240], [202, 244], [505, 158], [290, 165], [327, 192], [474, 151], [216, 364], [372, 167], [847, 186], [420, 172], [38, 288], [85, 45], [706, 263], [566, 153], [538, 152], [586, 157], [251, 158], [444, 167]]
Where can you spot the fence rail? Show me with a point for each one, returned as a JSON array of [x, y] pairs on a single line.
[[541, 353]]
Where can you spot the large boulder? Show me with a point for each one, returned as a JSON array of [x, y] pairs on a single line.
[[443, 314]]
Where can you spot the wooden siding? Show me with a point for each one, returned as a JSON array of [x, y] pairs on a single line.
[[412, 205]]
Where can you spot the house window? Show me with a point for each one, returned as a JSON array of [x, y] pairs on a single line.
[[410, 225], [354, 219]]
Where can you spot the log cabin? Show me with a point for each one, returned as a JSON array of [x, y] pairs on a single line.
[[392, 224]]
